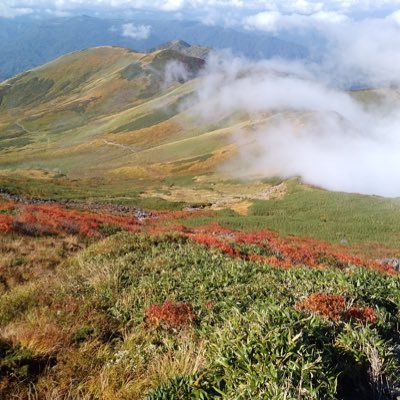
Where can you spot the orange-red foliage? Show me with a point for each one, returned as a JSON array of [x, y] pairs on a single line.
[[260, 246], [170, 315], [282, 252], [362, 314], [45, 219], [5, 223], [6, 205], [6, 219], [215, 242], [330, 306], [335, 308], [209, 305]]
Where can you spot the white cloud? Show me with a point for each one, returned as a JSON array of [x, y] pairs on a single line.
[[351, 51], [395, 17], [302, 7], [364, 51], [303, 128], [272, 21], [175, 71], [267, 21], [138, 32], [329, 17], [173, 5], [306, 7], [7, 11]]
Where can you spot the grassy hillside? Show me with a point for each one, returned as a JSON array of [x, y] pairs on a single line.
[[91, 112], [106, 125], [222, 289], [88, 311]]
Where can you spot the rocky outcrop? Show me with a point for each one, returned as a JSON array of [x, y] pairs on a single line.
[[392, 262]]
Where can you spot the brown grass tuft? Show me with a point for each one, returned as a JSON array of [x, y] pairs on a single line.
[[170, 315]]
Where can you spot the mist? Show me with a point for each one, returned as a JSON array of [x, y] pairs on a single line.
[[305, 122]]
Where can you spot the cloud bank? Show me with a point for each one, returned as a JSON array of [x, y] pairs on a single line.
[[8, 11], [303, 126], [11, 8]]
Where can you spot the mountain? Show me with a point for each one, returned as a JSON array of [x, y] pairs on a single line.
[[25, 41], [198, 298], [184, 48], [105, 111], [112, 113]]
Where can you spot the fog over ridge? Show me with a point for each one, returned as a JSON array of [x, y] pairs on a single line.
[[327, 136]]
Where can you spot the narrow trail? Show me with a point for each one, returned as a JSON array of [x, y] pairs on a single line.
[[19, 124], [122, 146]]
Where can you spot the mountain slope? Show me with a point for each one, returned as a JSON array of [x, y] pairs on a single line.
[[107, 124], [115, 114], [103, 105]]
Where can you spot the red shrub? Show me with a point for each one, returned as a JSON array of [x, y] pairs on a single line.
[[5, 223], [265, 246], [170, 315], [45, 219], [6, 205], [284, 252], [362, 314], [329, 306], [180, 228], [213, 241], [32, 225], [334, 308]]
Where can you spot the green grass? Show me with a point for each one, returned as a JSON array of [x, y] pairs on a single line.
[[148, 120], [26, 93], [333, 216], [15, 143], [157, 115], [251, 343], [304, 211], [75, 327], [330, 216], [97, 190], [132, 71]]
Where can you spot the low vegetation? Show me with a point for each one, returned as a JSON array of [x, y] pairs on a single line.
[[156, 310], [267, 289]]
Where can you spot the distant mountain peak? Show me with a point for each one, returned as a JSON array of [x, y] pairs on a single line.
[[185, 48], [179, 43]]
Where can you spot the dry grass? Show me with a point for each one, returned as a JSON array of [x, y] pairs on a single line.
[[188, 360], [29, 173], [241, 208], [237, 197], [37, 333], [24, 258], [217, 159]]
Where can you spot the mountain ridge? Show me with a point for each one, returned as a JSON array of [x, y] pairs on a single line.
[[25, 41], [95, 104]]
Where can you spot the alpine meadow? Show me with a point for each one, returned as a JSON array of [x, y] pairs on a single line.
[[199, 199]]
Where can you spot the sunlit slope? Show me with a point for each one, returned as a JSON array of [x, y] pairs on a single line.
[[111, 112], [96, 111]]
